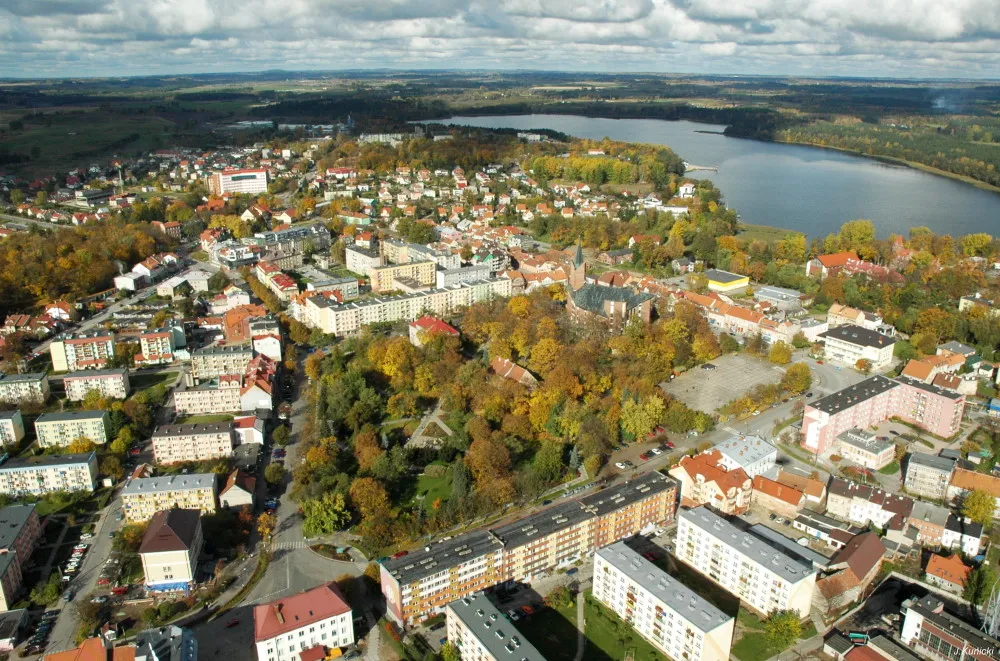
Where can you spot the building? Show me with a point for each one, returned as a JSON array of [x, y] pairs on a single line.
[[285, 627], [44, 474], [249, 429], [508, 369], [387, 278], [852, 570], [850, 344], [82, 351], [823, 266], [251, 181], [764, 578], [751, 453], [361, 260], [935, 634], [813, 490], [97, 648], [239, 490], [704, 480], [456, 276], [157, 346], [23, 388], [230, 393], [61, 429], [772, 496], [144, 497], [112, 383], [861, 504], [977, 300], [824, 528], [947, 572], [929, 521], [841, 315], [784, 300], [615, 306], [265, 334], [671, 616], [878, 398], [169, 643], [864, 448], [483, 633], [12, 626], [928, 475], [11, 428], [424, 582], [20, 530], [426, 327], [724, 281], [963, 535], [195, 442], [208, 362], [170, 550]]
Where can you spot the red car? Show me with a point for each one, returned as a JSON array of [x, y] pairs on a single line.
[[669, 444], [645, 456], [401, 554], [232, 623]]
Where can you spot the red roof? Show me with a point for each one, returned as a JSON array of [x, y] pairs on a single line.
[[432, 324], [836, 259], [950, 569], [284, 615], [314, 653], [777, 490]]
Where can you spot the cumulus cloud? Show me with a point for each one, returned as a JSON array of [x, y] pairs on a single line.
[[815, 37]]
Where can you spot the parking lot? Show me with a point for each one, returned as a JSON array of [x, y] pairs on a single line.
[[734, 374]]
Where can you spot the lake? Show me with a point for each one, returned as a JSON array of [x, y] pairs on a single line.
[[808, 189]]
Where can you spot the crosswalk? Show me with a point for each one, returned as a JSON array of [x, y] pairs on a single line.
[[289, 545]]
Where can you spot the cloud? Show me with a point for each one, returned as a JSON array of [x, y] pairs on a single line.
[[959, 38]]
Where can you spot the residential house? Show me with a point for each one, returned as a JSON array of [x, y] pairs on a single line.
[[511, 370], [704, 480], [285, 628], [772, 496], [170, 550], [842, 315], [865, 449], [426, 327], [823, 266], [947, 572], [962, 534], [855, 567], [929, 521], [862, 504], [239, 490]]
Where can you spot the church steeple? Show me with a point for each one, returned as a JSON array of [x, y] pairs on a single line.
[[578, 271], [578, 257]]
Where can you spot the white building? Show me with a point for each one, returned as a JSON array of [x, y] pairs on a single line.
[[61, 429], [449, 277], [143, 497], [252, 181], [195, 442], [19, 388], [43, 474], [751, 453], [763, 577], [848, 344], [11, 428], [664, 611], [483, 633], [317, 617], [82, 351], [962, 534], [111, 383], [170, 550], [359, 260]]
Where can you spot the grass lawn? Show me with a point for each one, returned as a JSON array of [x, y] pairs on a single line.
[[749, 620], [764, 233], [200, 255], [142, 381], [433, 430], [755, 646], [609, 637], [890, 469], [205, 419], [432, 488]]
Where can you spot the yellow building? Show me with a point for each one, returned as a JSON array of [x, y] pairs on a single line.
[[144, 497], [724, 281], [382, 277]]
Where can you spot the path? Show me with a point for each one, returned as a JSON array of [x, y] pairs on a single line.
[[581, 626], [419, 440], [372, 651]]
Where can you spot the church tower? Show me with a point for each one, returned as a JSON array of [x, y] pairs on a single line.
[[578, 270]]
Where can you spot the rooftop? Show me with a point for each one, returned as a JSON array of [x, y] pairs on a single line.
[[745, 450], [12, 520], [932, 461], [170, 643], [684, 601], [725, 277], [283, 615], [192, 429], [223, 349], [844, 399], [863, 440], [169, 483], [71, 416], [927, 387], [96, 374], [171, 530], [791, 568], [493, 630], [46, 460], [776, 539], [859, 336], [593, 297], [932, 610]]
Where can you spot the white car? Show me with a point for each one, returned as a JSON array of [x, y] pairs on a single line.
[[87, 535], [656, 451], [756, 412]]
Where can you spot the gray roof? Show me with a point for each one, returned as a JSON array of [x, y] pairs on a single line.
[[958, 347], [724, 277], [891, 650], [71, 416], [44, 460], [947, 622], [367, 252], [12, 520], [942, 464], [819, 521], [442, 555], [791, 568], [22, 378], [788, 545], [542, 524], [929, 512], [90, 374], [745, 450], [859, 336], [171, 643], [9, 415], [169, 483], [223, 349], [839, 642], [964, 526], [678, 597], [196, 428], [863, 440], [592, 297], [493, 630], [778, 293], [10, 623], [927, 387], [859, 392]]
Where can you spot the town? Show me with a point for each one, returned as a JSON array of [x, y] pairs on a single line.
[[463, 394]]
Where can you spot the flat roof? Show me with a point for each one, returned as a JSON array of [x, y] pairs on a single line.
[[791, 568], [745, 450], [844, 399], [196, 428], [91, 374], [781, 293], [858, 335], [932, 461], [790, 546], [12, 519], [947, 622], [70, 416], [863, 440], [681, 599], [357, 305], [542, 524], [493, 630], [169, 483], [27, 376], [45, 460], [222, 349], [717, 275], [440, 556]]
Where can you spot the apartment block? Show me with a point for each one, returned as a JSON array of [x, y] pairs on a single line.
[[865, 449], [483, 633], [383, 278], [112, 383], [196, 442], [20, 530], [317, 619], [928, 475], [456, 276], [82, 351], [764, 578], [361, 260], [157, 346], [848, 344], [23, 388], [11, 428], [230, 393], [861, 505], [347, 318], [424, 582], [43, 474], [214, 361], [250, 181], [703, 480], [144, 497], [170, 550], [61, 429], [878, 398], [933, 633], [671, 616]]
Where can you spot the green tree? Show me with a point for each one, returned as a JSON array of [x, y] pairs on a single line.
[[780, 354], [281, 435], [797, 378], [47, 592], [639, 418], [450, 653], [549, 461], [979, 583], [112, 467], [800, 341], [325, 515], [979, 506], [728, 343], [782, 628], [274, 473]]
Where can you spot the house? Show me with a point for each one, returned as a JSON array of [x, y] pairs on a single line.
[[929, 521], [683, 265], [511, 370], [61, 311], [426, 327], [813, 490], [287, 626], [861, 505], [964, 481], [849, 345], [823, 266], [772, 496], [751, 453], [962, 534], [839, 315], [615, 257], [704, 480], [947, 572], [615, 306], [170, 549], [855, 566], [239, 490], [725, 282], [95, 649], [865, 449]]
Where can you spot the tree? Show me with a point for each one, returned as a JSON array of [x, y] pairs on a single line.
[[274, 473], [314, 365], [266, 524], [81, 445], [46, 593], [281, 435], [797, 378], [979, 506], [112, 467], [325, 515], [979, 583], [638, 418], [369, 497], [863, 365], [782, 628], [780, 354], [450, 653], [977, 244], [367, 449], [728, 343], [549, 461], [800, 341]]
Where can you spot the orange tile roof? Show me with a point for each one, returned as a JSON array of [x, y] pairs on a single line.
[[777, 490], [917, 369], [838, 584], [971, 480], [94, 649], [808, 486], [707, 464], [950, 569], [836, 259]]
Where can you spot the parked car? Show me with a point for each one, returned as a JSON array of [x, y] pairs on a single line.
[[656, 451], [623, 465], [669, 445], [709, 366], [99, 599], [645, 456], [513, 615], [232, 623], [68, 595]]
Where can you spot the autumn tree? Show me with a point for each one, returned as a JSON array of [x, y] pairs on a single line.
[[274, 473], [369, 498], [266, 524], [112, 467], [780, 354], [797, 378], [325, 515], [81, 445], [782, 628], [639, 418], [979, 506], [863, 365], [281, 436], [367, 449]]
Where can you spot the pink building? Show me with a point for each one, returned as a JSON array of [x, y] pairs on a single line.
[[878, 398]]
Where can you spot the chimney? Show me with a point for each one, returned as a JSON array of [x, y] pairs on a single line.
[[277, 613]]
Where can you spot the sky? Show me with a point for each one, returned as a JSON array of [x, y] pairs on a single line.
[[883, 38]]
